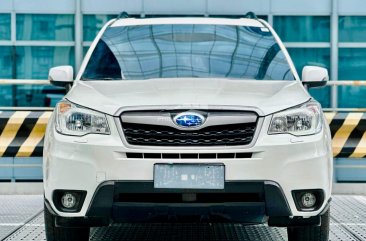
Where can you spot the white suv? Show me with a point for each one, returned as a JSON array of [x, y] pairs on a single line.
[[187, 119]]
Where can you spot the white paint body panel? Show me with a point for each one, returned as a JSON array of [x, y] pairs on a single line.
[[80, 163], [293, 162], [266, 97]]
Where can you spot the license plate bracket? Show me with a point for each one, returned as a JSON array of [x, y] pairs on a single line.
[[189, 176]]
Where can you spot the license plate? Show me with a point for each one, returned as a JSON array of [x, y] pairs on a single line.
[[189, 176]]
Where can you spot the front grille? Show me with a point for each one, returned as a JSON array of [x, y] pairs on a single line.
[[220, 135], [140, 155]]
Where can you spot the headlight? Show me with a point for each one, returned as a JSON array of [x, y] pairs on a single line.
[[301, 121], [77, 121]]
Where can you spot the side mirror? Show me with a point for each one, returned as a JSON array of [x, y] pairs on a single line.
[[314, 76], [62, 76]]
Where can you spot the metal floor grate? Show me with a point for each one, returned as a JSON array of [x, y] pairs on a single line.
[[348, 223], [15, 210], [31, 231], [349, 216], [191, 232]]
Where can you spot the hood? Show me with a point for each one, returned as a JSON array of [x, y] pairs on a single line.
[[266, 97]]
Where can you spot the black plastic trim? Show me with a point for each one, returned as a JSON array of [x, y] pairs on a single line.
[[160, 135], [73, 222], [298, 221], [148, 187], [294, 221], [319, 194], [56, 198], [248, 212], [60, 83], [49, 207], [327, 206], [107, 194], [102, 202], [276, 202], [315, 84]]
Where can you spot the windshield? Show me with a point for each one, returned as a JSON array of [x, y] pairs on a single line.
[[186, 51]]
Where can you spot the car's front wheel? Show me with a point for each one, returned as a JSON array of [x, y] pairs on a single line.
[[54, 233], [311, 233]]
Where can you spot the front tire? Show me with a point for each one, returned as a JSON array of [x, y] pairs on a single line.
[[311, 233], [54, 233]]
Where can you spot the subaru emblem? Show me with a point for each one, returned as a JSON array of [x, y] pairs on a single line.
[[189, 119]]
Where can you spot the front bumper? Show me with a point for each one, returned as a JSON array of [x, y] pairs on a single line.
[[83, 163], [254, 201], [247, 202]]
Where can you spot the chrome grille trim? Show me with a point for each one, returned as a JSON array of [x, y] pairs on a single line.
[[213, 118], [222, 128]]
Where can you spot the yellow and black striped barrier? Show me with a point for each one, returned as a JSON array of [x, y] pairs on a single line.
[[348, 133], [22, 133]]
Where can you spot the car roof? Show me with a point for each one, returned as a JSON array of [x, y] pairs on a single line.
[[187, 20]]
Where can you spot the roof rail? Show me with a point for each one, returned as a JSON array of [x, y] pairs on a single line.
[[123, 15], [250, 15]]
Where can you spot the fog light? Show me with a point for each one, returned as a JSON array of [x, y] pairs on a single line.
[[308, 200], [68, 200]]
